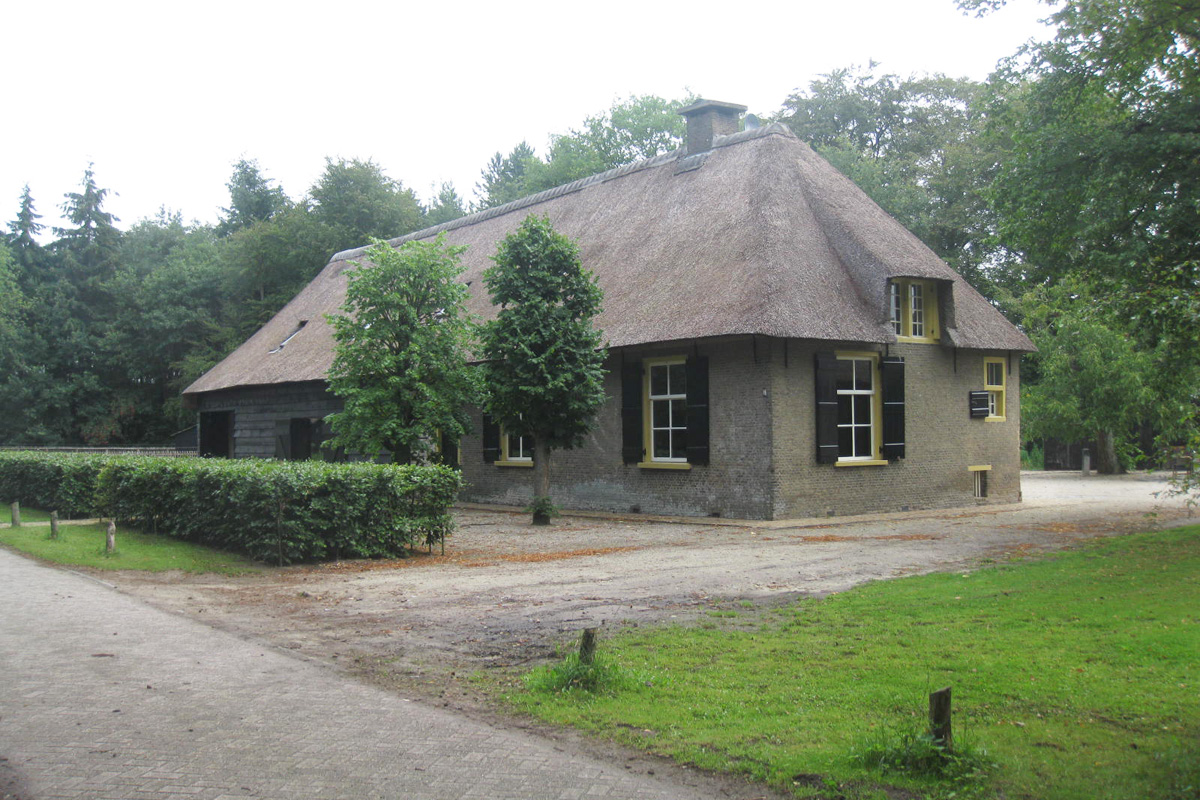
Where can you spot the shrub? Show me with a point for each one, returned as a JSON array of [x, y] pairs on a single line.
[[275, 511]]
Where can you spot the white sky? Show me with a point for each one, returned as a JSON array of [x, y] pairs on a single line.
[[165, 96]]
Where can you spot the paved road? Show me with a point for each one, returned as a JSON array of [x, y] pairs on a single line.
[[103, 697]]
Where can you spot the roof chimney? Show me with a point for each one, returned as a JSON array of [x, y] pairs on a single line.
[[707, 119]]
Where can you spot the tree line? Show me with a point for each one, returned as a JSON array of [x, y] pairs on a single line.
[[1065, 188]]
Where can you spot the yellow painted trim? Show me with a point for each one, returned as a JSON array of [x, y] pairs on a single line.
[[1000, 388], [647, 422], [875, 462], [980, 468], [525, 463], [876, 404], [932, 322]]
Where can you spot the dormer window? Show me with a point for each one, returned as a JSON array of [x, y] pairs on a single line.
[[913, 309]]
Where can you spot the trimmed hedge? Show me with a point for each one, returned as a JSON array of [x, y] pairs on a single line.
[[60, 482], [277, 511]]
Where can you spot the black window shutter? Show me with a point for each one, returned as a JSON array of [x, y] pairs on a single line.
[[827, 408], [283, 438], [491, 439], [977, 402], [632, 444], [697, 410], [892, 378]]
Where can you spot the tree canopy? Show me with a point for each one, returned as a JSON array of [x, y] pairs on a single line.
[[544, 356], [402, 348]]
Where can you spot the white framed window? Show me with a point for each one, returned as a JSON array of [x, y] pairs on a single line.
[[912, 309], [666, 410], [518, 448], [858, 418], [895, 307], [995, 381]]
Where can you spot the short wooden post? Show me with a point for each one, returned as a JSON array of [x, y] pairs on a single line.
[[16, 514], [939, 718], [111, 543], [53, 524], [587, 646]]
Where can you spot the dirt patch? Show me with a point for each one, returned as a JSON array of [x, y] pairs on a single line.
[[507, 595]]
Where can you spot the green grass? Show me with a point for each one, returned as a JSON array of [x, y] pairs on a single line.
[[27, 515], [1076, 676], [83, 545]]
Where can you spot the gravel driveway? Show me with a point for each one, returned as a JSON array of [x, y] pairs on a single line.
[[505, 593]]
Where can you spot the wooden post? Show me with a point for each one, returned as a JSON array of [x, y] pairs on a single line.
[[111, 543], [587, 646], [16, 513], [939, 718], [53, 524]]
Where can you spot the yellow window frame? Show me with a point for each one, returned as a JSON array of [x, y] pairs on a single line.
[[997, 392], [875, 459], [929, 308], [650, 462]]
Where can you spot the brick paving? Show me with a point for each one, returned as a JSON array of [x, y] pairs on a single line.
[[104, 697]]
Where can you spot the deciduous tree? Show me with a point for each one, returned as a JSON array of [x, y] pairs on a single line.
[[544, 368], [402, 347]]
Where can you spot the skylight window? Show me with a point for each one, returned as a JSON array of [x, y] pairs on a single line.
[[292, 335]]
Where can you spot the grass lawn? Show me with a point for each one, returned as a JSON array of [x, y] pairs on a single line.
[[27, 515], [1074, 676], [83, 545]]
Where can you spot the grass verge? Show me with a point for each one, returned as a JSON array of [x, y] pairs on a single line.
[[27, 515], [83, 545], [1074, 676]]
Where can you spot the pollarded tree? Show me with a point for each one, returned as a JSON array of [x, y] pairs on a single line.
[[400, 364], [544, 367]]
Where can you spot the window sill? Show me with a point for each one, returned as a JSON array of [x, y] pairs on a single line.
[[875, 462], [919, 339], [995, 419], [664, 465], [513, 463]]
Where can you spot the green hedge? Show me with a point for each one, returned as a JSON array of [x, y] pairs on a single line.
[[60, 482], [276, 511]]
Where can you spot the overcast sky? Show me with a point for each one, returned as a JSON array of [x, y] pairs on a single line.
[[165, 96]]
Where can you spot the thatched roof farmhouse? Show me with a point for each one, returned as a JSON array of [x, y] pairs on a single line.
[[779, 346]]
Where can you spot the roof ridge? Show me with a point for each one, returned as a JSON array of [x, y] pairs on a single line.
[[775, 128]]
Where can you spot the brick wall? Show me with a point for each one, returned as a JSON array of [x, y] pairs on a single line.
[[736, 483], [757, 470], [942, 441]]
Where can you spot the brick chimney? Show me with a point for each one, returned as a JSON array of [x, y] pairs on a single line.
[[707, 119]]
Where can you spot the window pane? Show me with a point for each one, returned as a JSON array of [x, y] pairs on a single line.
[[845, 374], [894, 295], [658, 380], [662, 413], [677, 379], [662, 444], [862, 409], [995, 374], [862, 441], [844, 411]]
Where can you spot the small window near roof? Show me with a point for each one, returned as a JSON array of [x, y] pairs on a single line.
[[994, 382], [913, 309]]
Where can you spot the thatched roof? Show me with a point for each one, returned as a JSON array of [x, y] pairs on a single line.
[[759, 235]]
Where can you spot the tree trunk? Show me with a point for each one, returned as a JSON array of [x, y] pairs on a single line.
[[110, 543], [541, 481], [1106, 454], [16, 513], [53, 524]]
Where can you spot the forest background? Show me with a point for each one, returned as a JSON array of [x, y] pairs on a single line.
[[1065, 188]]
